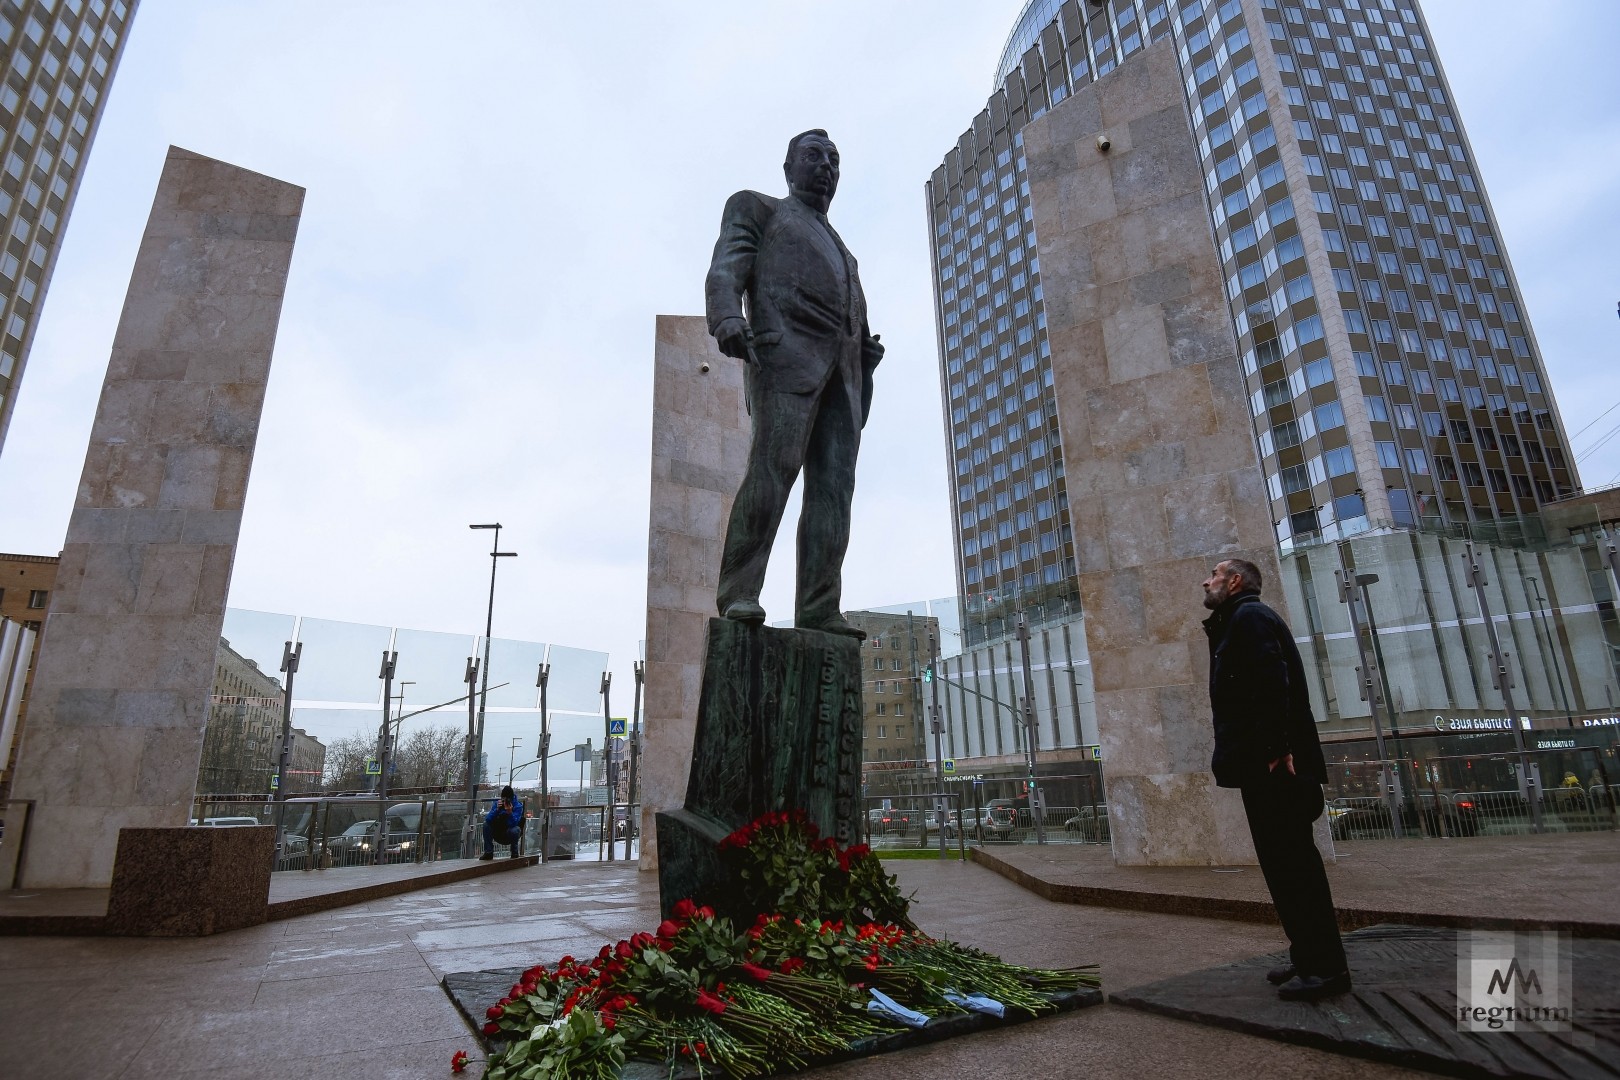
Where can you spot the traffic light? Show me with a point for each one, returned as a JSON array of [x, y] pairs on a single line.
[[928, 674]]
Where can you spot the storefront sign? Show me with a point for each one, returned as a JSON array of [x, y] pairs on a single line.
[[1601, 721], [1479, 723]]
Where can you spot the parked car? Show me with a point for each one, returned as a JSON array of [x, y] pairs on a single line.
[[230, 822], [969, 824], [355, 844], [896, 822], [1090, 824], [1363, 818], [999, 819]]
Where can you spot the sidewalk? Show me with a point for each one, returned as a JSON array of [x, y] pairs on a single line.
[[292, 892], [353, 993], [1557, 882]]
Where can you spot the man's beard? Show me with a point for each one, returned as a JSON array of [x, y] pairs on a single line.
[[1213, 600]]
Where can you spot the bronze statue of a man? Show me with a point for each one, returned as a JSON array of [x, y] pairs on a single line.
[[784, 297]]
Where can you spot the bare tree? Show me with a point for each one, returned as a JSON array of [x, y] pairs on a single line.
[[346, 762], [430, 757]]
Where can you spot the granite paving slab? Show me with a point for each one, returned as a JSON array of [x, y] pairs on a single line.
[[1455, 883], [475, 991], [1403, 1009]]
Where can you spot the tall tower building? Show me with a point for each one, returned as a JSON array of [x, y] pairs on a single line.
[[1391, 372], [60, 56]]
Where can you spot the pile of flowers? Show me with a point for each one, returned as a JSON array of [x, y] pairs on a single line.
[[791, 989]]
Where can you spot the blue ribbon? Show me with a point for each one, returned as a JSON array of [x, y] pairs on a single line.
[[884, 1005], [977, 1003]]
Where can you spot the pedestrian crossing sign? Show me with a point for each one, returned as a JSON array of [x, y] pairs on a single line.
[[617, 726], [950, 766]]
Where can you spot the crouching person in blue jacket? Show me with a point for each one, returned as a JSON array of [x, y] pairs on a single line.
[[504, 825]]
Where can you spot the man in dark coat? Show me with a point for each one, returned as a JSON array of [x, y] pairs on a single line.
[[808, 368], [1266, 746]]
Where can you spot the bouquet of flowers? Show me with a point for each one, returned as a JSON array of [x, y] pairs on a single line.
[[831, 960]]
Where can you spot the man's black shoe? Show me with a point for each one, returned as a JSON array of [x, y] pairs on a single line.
[[1278, 976], [486, 856], [1314, 987]]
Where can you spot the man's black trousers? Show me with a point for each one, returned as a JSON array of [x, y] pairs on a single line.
[[1281, 808]]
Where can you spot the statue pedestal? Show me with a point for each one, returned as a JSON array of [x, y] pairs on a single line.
[[778, 728]]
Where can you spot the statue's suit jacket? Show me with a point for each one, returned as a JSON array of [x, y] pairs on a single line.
[[804, 300]]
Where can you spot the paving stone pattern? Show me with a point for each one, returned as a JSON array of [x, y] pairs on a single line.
[[354, 994]]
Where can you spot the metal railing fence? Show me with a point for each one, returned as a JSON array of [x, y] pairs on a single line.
[[1465, 795], [323, 832]]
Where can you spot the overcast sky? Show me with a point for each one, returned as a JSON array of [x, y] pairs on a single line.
[[502, 196]]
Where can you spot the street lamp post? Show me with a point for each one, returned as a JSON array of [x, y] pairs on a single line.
[[936, 723], [495, 555], [607, 759], [545, 752], [290, 656], [1353, 591], [1502, 681], [1552, 649], [511, 756], [469, 839], [386, 674], [632, 827], [1032, 732]]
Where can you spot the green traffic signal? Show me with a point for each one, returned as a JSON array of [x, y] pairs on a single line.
[[928, 674]]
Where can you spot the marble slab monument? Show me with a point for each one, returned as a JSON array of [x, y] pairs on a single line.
[[126, 664]]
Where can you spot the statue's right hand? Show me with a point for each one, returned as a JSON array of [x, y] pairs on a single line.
[[732, 337]]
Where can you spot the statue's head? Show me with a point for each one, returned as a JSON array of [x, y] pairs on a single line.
[[811, 167]]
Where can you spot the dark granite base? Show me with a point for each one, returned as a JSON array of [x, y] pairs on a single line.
[[1402, 1009], [475, 991], [778, 728], [190, 882]]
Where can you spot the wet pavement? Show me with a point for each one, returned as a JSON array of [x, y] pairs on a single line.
[[354, 992], [1559, 881]]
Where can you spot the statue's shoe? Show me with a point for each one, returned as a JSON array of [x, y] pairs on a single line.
[[835, 626], [746, 611]]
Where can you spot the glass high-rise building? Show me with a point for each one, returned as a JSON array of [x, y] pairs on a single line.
[[1393, 377], [59, 60]]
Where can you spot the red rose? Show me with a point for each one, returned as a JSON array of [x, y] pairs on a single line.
[[495, 1012], [458, 1061], [705, 912], [668, 929], [792, 964], [492, 1028], [684, 909], [623, 950], [608, 1023]]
